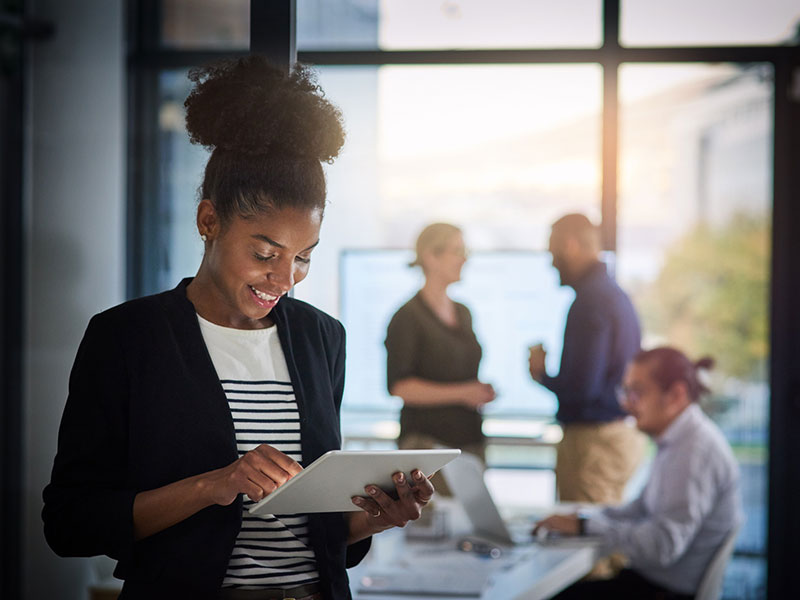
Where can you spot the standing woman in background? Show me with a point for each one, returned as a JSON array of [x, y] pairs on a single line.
[[186, 407], [433, 354]]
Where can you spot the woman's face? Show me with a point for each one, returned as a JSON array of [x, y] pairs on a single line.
[[250, 263], [446, 264]]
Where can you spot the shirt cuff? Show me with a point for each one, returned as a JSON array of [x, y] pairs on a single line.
[[546, 381], [597, 524]]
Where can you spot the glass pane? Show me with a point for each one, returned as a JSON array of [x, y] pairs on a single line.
[[182, 165], [708, 22], [502, 150], [417, 24], [337, 24], [207, 24], [499, 150], [694, 247]]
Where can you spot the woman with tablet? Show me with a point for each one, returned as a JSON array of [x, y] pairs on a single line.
[[187, 407], [433, 354]]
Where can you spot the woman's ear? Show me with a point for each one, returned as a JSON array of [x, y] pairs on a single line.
[[427, 258], [207, 219]]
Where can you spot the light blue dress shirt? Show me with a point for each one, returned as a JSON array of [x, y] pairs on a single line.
[[688, 505]]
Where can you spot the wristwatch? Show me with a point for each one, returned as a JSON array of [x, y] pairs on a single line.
[[582, 518]]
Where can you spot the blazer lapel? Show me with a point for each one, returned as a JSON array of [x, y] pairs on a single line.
[[210, 398]]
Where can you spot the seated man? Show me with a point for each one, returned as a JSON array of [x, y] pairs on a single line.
[[690, 502]]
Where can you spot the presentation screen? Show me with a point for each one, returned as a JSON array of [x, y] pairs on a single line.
[[515, 300]]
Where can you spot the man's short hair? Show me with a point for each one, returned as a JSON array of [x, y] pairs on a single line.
[[579, 227]]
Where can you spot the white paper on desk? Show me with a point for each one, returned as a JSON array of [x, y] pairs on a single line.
[[426, 582], [438, 572]]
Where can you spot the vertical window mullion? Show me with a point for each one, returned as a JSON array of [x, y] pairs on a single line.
[[610, 154]]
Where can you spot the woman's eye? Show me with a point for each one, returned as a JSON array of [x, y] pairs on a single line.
[[304, 259], [261, 257]]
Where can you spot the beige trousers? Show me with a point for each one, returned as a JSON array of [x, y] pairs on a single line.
[[594, 461]]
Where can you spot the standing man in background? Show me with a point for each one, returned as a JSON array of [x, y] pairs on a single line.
[[600, 450]]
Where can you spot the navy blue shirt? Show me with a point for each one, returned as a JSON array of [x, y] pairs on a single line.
[[601, 335]]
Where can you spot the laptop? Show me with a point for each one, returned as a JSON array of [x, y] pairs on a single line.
[[450, 572], [464, 477]]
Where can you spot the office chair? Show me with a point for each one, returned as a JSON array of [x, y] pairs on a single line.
[[711, 584]]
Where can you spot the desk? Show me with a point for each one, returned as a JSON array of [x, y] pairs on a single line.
[[531, 572]]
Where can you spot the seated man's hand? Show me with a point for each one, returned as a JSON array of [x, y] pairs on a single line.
[[564, 524]]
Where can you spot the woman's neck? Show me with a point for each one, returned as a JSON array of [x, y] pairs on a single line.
[[434, 294]]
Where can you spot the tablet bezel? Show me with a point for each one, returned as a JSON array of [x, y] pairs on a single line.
[[329, 483]]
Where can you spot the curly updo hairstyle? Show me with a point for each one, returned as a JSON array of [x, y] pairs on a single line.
[[669, 365], [268, 132]]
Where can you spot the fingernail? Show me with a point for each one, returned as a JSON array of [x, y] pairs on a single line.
[[418, 475], [358, 501], [400, 478], [372, 490]]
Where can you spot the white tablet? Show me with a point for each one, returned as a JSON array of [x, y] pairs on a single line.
[[329, 483]]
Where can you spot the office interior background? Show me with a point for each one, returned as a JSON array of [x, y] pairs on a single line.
[[674, 125]]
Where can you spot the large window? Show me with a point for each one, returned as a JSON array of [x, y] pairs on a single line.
[[694, 222]]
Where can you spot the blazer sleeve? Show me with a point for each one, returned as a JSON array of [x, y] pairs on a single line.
[[355, 552], [87, 508]]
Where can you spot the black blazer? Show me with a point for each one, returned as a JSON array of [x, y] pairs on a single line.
[[145, 409]]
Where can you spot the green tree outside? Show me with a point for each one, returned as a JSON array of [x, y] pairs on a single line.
[[711, 296]]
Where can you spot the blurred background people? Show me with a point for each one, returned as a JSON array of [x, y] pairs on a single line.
[[433, 354], [599, 450], [691, 502]]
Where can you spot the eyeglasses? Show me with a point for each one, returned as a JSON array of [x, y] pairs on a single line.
[[627, 396]]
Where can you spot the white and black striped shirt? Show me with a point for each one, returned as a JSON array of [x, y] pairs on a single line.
[[271, 551]]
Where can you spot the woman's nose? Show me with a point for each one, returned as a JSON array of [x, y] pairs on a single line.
[[282, 276]]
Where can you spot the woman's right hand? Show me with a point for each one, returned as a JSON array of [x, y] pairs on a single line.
[[257, 473], [476, 394]]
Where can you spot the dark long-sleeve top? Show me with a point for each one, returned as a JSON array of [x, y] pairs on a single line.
[[601, 335], [145, 409]]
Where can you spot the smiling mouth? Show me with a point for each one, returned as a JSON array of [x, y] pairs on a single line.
[[264, 296]]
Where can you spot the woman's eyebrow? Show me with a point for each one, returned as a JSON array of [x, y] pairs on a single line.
[[271, 242], [263, 238]]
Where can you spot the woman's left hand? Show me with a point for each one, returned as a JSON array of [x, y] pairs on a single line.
[[383, 512]]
